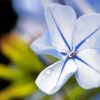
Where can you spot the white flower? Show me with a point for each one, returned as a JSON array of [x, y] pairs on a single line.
[[76, 43]]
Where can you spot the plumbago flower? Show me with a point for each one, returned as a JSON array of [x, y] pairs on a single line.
[[76, 43]]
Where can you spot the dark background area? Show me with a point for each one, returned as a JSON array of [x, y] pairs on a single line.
[[8, 19], [7, 16]]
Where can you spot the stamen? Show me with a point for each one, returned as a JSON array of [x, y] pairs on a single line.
[[69, 55], [72, 54]]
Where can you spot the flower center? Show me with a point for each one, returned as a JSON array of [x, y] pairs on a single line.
[[71, 54]]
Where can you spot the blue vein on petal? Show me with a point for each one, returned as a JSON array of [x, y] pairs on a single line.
[[60, 32], [85, 63], [63, 53], [61, 73], [77, 47], [62, 68]]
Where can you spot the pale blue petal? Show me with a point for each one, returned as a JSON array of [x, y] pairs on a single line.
[[49, 81], [60, 20], [92, 57], [87, 32], [42, 46], [88, 73], [28, 7]]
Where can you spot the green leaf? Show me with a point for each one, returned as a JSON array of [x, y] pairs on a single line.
[[18, 90], [21, 55]]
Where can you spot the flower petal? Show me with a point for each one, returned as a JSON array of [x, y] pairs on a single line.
[[92, 57], [88, 73], [48, 81], [87, 32], [42, 46], [60, 20], [27, 8]]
